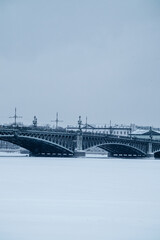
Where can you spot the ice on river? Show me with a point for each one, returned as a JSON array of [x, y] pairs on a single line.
[[75, 199]]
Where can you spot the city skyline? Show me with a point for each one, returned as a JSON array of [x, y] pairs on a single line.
[[57, 122]]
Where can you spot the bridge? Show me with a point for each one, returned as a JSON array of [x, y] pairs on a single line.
[[43, 142]]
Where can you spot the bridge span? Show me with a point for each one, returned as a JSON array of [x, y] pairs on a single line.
[[74, 143]]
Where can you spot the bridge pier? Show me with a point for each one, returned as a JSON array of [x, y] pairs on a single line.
[[150, 154], [79, 152], [110, 154]]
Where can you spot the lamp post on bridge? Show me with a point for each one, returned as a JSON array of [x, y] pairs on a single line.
[[79, 148], [110, 128], [35, 121], [150, 150], [80, 124]]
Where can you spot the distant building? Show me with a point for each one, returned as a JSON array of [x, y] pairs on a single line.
[[146, 134], [118, 130], [111, 130]]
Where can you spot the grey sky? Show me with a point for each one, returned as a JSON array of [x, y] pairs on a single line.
[[99, 59]]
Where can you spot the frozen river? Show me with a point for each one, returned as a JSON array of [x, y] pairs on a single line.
[[79, 199]]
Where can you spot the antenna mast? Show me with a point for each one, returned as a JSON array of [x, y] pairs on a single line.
[[57, 120], [15, 117]]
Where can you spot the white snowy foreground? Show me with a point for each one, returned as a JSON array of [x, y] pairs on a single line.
[[79, 199]]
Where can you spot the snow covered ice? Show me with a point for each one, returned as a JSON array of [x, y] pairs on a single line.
[[75, 199]]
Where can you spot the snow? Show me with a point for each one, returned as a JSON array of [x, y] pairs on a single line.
[[86, 198], [12, 154], [140, 132], [143, 131]]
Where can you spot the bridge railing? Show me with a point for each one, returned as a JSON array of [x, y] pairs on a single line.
[[64, 131]]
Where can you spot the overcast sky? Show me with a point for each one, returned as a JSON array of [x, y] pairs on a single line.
[[93, 58]]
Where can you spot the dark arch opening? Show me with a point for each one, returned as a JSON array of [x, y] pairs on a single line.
[[120, 150], [39, 146], [157, 154]]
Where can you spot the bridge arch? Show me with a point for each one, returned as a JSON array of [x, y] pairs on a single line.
[[37, 145], [119, 149], [157, 154]]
